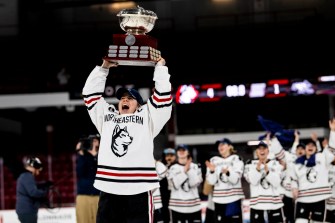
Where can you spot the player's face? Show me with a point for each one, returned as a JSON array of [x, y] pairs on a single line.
[[310, 149], [127, 104], [182, 153], [224, 149], [170, 158], [262, 152], [300, 151]]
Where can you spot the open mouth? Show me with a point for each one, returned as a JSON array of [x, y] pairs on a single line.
[[125, 107]]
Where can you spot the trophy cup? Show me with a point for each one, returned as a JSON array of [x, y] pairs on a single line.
[[135, 47]]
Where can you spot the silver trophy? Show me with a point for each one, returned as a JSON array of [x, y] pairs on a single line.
[[135, 47]]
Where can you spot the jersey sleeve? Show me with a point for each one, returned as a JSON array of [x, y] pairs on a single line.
[[277, 149], [161, 170], [160, 102], [92, 95], [194, 176]]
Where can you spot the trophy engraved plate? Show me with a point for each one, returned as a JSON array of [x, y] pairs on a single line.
[[135, 47]]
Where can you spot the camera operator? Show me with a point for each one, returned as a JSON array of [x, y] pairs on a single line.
[[28, 194], [87, 196]]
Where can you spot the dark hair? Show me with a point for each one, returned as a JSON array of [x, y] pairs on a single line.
[[87, 142]]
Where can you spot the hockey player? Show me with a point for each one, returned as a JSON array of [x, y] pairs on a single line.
[[263, 175], [297, 150], [169, 158], [330, 204], [310, 183], [184, 178], [126, 173], [225, 173]]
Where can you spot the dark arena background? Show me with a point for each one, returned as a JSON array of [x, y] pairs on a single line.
[[238, 59]]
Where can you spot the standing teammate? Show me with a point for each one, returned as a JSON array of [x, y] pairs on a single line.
[[310, 183], [225, 173], [185, 178], [169, 158], [263, 175]]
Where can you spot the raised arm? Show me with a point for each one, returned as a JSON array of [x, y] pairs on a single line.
[[160, 103]]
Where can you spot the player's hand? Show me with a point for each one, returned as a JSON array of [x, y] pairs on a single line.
[[108, 63], [210, 165], [161, 61]]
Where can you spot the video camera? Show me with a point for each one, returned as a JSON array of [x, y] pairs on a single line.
[[87, 142]]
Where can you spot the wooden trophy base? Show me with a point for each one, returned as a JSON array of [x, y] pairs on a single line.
[[133, 50]]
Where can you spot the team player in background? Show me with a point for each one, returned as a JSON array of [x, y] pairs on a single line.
[[263, 175], [225, 173], [310, 183], [126, 173], [330, 203], [297, 150], [185, 178], [169, 158]]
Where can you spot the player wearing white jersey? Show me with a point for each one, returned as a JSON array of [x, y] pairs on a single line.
[[225, 173], [263, 175], [297, 150], [330, 204], [311, 182], [185, 178], [126, 173]]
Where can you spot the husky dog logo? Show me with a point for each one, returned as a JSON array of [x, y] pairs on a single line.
[[311, 175], [120, 141], [264, 183], [186, 186]]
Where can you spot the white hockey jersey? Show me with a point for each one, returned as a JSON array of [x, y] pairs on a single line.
[[286, 177], [331, 201], [264, 188], [313, 182], [227, 188], [126, 164], [184, 191]]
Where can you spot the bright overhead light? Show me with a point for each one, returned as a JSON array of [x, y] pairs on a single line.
[[115, 7], [327, 78], [253, 143]]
